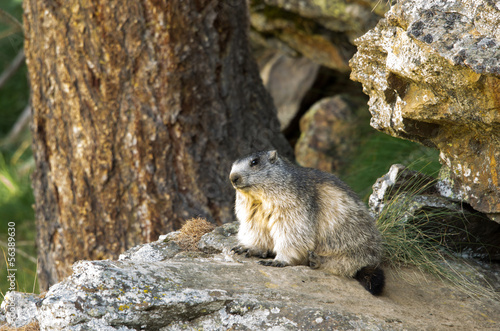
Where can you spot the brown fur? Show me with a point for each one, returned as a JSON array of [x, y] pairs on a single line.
[[302, 216]]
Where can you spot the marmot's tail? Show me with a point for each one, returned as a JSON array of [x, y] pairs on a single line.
[[372, 278]]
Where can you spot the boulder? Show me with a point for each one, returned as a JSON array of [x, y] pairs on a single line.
[[288, 79], [431, 69], [158, 286], [327, 131], [19, 308], [322, 31]]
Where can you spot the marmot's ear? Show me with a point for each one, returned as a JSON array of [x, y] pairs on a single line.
[[273, 156]]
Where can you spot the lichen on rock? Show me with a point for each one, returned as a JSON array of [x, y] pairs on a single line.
[[432, 71], [158, 286]]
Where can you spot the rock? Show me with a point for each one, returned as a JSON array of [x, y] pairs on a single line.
[[127, 294], [431, 69], [157, 287], [288, 79], [399, 180], [460, 227], [353, 18], [19, 308], [323, 31], [327, 134], [221, 240], [164, 248]]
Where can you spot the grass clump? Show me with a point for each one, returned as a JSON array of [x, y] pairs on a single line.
[[422, 239], [376, 153]]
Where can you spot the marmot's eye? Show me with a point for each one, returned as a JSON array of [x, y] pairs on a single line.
[[254, 162]]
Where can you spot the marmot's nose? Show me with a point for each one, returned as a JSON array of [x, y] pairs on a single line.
[[235, 178]]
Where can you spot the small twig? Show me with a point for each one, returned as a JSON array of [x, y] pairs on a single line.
[[9, 19], [12, 68]]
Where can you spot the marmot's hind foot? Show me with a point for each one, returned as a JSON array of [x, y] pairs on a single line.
[[241, 250], [314, 261]]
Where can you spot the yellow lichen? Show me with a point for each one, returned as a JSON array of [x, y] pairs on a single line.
[[123, 307]]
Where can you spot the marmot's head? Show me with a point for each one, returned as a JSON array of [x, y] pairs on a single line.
[[256, 172]]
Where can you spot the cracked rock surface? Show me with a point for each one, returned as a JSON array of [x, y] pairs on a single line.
[[158, 286], [432, 71]]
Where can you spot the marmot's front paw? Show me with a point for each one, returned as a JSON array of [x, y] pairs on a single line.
[[314, 262], [241, 250], [252, 252], [273, 263]]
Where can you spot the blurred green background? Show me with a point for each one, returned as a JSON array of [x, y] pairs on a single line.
[[16, 159], [377, 151], [375, 154]]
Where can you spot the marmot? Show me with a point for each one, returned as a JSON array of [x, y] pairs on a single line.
[[303, 216]]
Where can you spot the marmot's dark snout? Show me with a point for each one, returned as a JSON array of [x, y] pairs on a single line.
[[235, 179]]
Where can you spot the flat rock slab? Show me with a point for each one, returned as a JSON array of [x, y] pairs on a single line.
[[160, 287]]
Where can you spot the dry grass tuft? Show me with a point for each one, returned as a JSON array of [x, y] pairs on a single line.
[[191, 233], [30, 327]]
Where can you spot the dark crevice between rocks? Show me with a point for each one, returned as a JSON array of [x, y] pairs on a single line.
[[397, 86], [328, 83], [423, 132]]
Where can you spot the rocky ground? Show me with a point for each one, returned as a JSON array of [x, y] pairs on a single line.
[[159, 286]]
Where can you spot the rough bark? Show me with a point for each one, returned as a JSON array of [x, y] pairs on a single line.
[[139, 108]]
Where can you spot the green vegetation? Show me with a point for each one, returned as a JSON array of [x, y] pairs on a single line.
[[15, 93], [16, 200], [419, 240], [377, 151], [16, 160]]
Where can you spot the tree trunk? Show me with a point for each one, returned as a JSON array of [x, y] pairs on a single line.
[[139, 109]]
